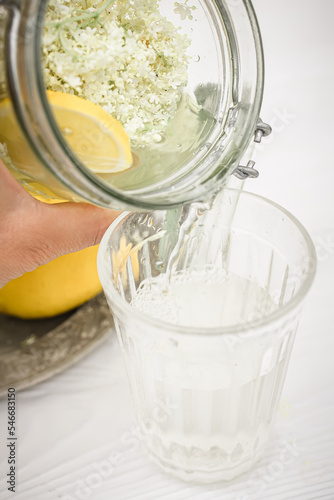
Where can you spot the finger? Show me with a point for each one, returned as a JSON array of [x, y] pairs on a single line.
[[69, 227], [32, 233]]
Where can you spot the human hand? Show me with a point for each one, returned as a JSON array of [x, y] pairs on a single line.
[[33, 233]]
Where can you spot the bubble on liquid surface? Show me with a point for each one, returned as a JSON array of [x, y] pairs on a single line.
[[202, 298], [67, 131], [159, 265]]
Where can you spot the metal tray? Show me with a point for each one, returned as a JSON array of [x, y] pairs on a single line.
[[34, 350]]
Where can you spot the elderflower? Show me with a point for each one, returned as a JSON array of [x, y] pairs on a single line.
[[122, 55], [184, 10]]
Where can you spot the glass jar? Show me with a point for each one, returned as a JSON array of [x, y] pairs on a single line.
[[215, 119]]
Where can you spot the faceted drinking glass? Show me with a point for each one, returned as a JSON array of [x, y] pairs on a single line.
[[207, 341]]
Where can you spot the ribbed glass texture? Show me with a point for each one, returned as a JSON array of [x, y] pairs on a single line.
[[205, 397]]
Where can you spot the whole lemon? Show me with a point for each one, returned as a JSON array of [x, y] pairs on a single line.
[[54, 288]]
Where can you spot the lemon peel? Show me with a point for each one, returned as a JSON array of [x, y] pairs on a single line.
[[55, 288]]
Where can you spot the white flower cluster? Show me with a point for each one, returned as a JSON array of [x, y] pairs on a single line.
[[121, 54]]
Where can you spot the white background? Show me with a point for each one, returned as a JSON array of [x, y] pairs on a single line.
[[71, 424]]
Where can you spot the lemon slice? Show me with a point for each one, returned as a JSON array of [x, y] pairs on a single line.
[[98, 139]]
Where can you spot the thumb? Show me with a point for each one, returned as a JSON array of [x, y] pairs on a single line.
[[68, 227]]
